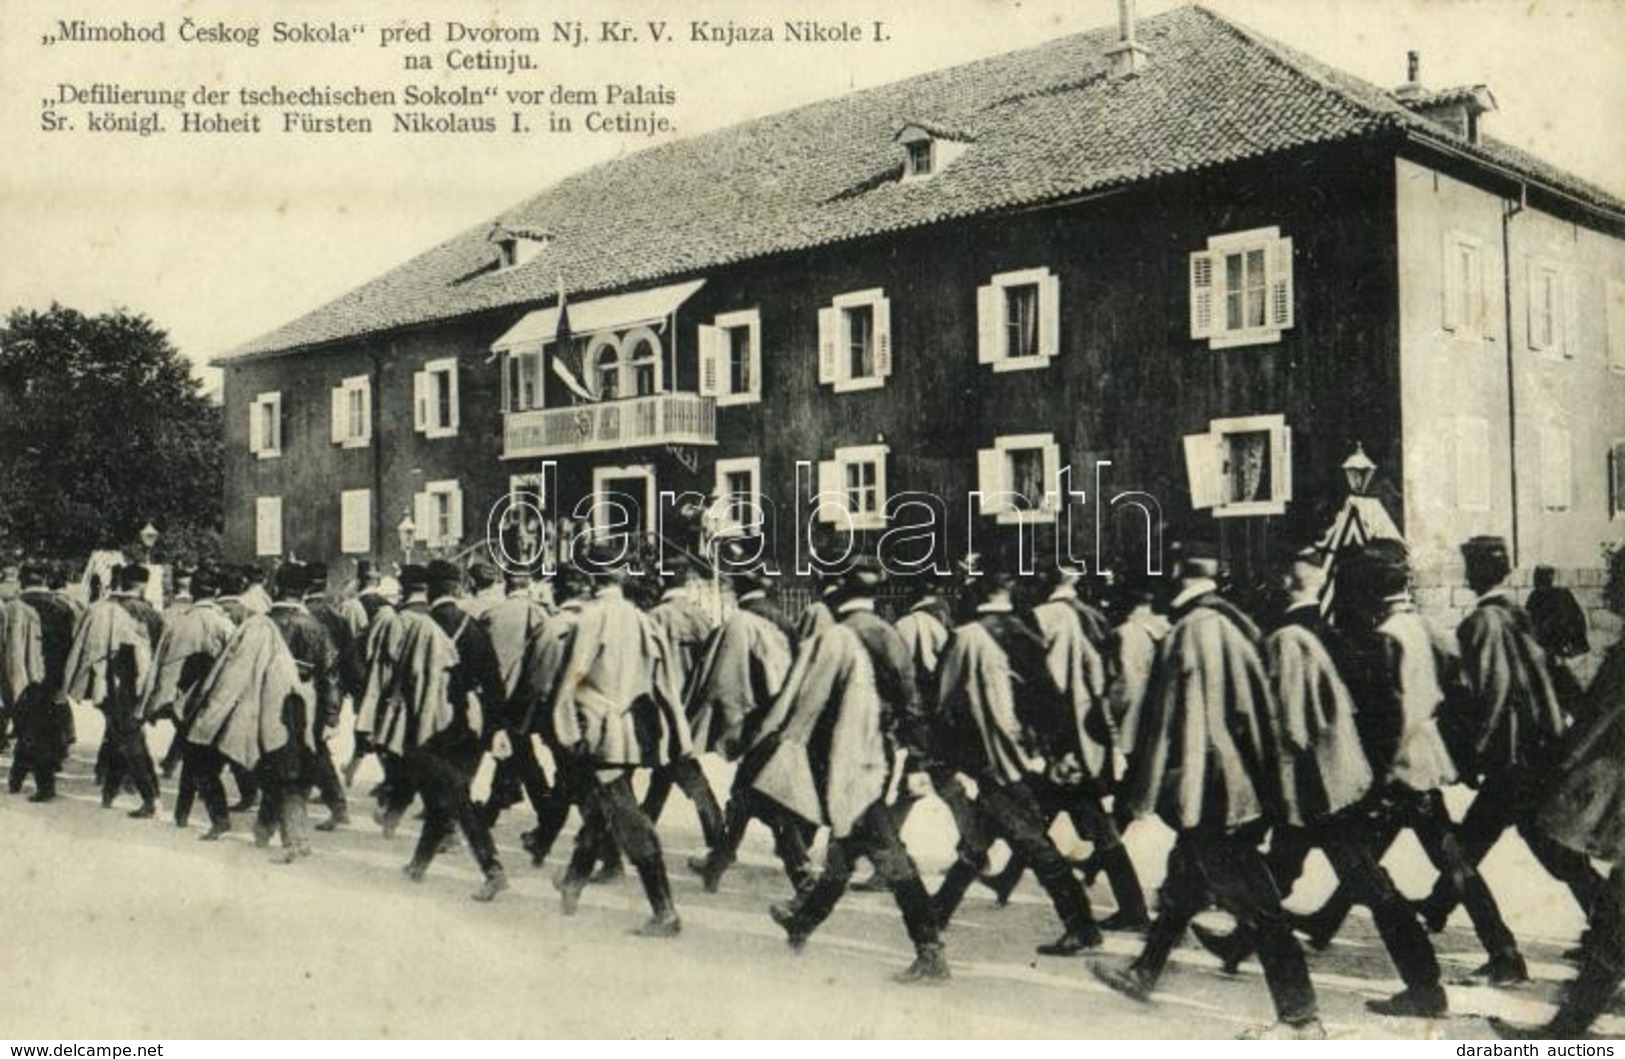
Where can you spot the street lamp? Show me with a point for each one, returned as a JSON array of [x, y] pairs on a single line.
[[408, 531], [1358, 470]]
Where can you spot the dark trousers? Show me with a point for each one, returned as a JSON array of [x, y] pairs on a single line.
[[1346, 842], [550, 803], [1090, 820], [127, 757], [686, 774], [442, 777], [1399, 808], [284, 777], [1229, 866], [873, 835], [792, 836], [1511, 799], [329, 788], [44, 731], [609, 807], [1602, 963], [200, 772], [1011, 811], [950, 789]]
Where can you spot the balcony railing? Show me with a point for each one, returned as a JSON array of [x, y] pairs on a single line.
[[660, 419]]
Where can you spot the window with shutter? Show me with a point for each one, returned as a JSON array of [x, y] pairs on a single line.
[[1019, 478], [1556, 469], [1019, 320], [352, 412], [355, 521], [734, 358], [1548, 310], [1241, 467], [855, 341], [265, 425], [1242, 290], [1463, 285], [268, 525], [852, 488], [442, 523], [1472, 463], [435, 400], [737, 508]]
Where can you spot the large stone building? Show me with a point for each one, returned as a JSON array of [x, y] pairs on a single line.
[[1195, 266]]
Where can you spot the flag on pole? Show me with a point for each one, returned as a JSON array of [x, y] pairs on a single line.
[[565, 363]]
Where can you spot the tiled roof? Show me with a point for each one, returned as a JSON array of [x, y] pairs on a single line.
[[1047, 123]]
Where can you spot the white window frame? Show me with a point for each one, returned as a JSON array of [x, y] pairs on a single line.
[[520, 358], [1560, 343], [267, 526], [429, 533], [355, 521], [1206, 471], [266, 408], [356, 387], [1473, 477], [832, 489], [992, 312], [1614, 317], [1556, 468], [602, 475], [834, 341], [747, 465], [1209, 289], [716, 357], [426, 398], [993, 479], [1465, 306]]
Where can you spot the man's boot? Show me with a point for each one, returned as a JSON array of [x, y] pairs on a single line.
[[496, 881], [1004, 882], [657, 887], [930, 966], [1233, 949]]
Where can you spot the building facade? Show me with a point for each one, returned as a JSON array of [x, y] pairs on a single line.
[[1182, 278]]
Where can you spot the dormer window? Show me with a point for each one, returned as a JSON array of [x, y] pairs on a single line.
[[928, 150], [516, 246], [918, 163]]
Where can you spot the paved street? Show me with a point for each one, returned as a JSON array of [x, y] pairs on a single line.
[[133, 929]]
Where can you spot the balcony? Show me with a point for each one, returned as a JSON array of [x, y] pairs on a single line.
[[660, 419]]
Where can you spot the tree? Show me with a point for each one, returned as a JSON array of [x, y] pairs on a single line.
[[103, 429]]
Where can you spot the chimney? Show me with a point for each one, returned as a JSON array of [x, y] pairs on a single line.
[[1460, 109], [1412, 88], [1126, 57]]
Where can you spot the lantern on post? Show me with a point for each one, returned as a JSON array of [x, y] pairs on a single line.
[[408, 531]]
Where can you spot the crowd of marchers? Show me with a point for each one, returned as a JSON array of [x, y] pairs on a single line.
[[1333, 723]]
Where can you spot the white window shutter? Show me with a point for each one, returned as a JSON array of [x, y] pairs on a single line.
[[341, 414], [831, 490], [1571, 313], [423, 517], [991, 481], [711, 346], [420, 401], [1049, 315], [1615, 311], [1280, 278], [989, 324], [454, 501], [452, 400], [883, 337], [829, 332], [268, 525], [1204, 292], [1281, 466], [355, 521], [256, 428], [1053, 500], [1556, 469], [1202, 470], [756, 355], [1455, 298]]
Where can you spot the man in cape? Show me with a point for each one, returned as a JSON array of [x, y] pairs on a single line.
[[254, 709], [1079, 671], [108, 665], [1586, 814], [616, 707], [742, 672], [194, 636], [422, 711], [1325, 779], [1205, 762], [1514, 728], [1400, 673], [347, 680], [365, 612], [830, 763], [36, 634], [1004, 722], [687, 627]]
